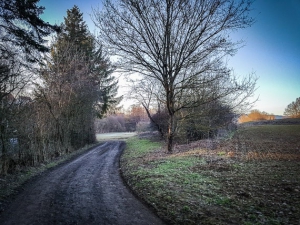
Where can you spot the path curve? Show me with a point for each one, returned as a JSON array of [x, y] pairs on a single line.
[[87, 190]]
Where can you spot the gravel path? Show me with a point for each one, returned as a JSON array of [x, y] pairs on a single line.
[[87, 190]]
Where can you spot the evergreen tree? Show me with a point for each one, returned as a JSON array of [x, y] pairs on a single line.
[[22, 27], [75, 31], [22, 34], [78, 84], [102, 68]]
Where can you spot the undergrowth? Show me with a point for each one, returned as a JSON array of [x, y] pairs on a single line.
[[11, 182]]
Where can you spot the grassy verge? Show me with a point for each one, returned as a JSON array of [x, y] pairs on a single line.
[[224, 185]]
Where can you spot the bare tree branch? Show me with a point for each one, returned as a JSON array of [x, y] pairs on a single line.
[[180, 44]]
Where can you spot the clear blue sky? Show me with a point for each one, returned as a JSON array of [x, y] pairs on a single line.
[[272, 48]]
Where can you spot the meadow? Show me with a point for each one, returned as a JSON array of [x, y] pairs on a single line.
[[250, 178]]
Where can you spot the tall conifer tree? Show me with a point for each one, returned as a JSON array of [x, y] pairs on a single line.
[[74, 31], [78, 82]]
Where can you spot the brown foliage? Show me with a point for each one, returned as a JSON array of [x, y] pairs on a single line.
[[255, 115], [138, 112]]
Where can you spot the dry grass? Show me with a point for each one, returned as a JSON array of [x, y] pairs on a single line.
[[274, 142], [253, 178]]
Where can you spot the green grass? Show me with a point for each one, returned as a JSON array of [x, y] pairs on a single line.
[[193, 187], [169, 184]]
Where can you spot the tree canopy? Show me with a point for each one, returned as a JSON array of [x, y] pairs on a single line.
[[22, 27]]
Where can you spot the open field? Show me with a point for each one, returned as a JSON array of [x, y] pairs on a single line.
[[253, 178], [114, 136]]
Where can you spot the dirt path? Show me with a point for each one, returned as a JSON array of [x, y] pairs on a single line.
[[87, 190]]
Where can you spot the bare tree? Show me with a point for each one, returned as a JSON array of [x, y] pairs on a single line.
[[179, 43], [22, 33], [13, 79], [149, 93], [293, 109]]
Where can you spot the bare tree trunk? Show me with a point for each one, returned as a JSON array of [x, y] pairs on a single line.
[[153, 121], [170, 141], [171, 132]]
